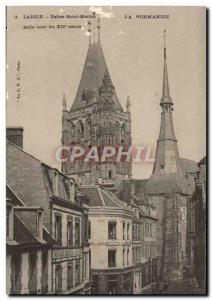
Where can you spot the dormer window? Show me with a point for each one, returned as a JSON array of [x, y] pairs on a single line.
[[55, 183]]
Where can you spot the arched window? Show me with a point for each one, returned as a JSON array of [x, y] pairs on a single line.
[[124, 131], [118, 132], [80, 129], [88, 128], [72, 129]]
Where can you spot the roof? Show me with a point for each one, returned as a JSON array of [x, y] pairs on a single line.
[[94, 70], [31, 180], [203, 161], [100, 197], [22, 235], [166, 184], [189, 166]]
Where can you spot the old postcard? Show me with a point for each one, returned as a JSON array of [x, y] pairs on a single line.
[[106, 187]]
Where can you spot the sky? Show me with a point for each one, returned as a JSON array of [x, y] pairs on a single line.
[[50, 63]]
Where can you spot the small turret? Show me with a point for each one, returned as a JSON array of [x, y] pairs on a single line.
[[64, 102]]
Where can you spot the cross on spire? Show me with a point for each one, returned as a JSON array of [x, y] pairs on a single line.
[[164, 41], [89, 31], [98, 28]]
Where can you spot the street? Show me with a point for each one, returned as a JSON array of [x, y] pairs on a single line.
[[183, 286]]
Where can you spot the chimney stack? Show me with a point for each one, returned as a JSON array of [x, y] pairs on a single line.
[[15, 135]]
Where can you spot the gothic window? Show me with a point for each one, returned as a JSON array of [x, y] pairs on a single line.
[[118, 132], [58, 279], [72, 129], [80, 129], [88, 128], [124, 132]]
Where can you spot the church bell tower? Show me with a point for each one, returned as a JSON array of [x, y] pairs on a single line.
[[97, 119]]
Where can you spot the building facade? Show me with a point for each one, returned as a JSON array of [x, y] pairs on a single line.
[[199, 223], [63, 215], [29, 249], [145, 255], [110, 230]]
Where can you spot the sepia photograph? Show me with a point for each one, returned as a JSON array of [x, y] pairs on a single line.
[[106, 150]]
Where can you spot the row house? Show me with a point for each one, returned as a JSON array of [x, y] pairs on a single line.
[[144, 246], [145, 254], [110, 237], [29, 248], [64, 216], [199, 224]]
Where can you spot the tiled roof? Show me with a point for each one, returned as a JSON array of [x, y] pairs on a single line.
[[93, 73], [22, 235], [165, 184], [100, 197], [31, 181]]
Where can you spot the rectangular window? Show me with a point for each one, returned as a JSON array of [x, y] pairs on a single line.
[[70, 276], [44, 282], [150, 233], [128, 252], [124, 231], [77, 233], [58, 278], [123, 257], [58, 229], [77, 272], [70, 233], [32, 273], [16, 274], [111, 258], [89, 229], [128, 231], [112, 230]]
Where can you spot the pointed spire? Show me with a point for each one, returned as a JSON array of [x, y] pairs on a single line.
[[165, 93], [94, 34], [64, 102], [98, 28], [89, 32]]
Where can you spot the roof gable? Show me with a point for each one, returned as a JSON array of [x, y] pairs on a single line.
[[94, 70]]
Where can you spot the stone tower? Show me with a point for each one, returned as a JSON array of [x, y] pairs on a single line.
[[97, 119]]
